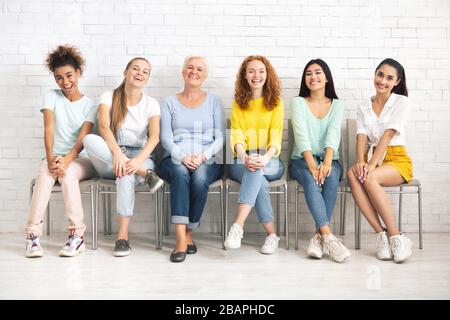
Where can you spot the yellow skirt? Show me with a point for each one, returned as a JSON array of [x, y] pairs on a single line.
[[397, 157]]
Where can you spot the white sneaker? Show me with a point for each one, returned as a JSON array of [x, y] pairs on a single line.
[[73, 246], [270, 246], [336, 249], [384, 251], [33, 248], [315, 248], [401, 247], [233, 239]]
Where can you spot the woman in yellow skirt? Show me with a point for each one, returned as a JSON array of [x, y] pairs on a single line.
[[381, 125]]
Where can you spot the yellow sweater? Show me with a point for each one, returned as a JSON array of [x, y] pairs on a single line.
[[257, 128]]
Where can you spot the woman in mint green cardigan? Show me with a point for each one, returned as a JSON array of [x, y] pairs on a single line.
[[316, 118]]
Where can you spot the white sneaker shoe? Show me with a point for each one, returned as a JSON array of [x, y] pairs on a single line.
[[384, 251], [336, 249], [270, 246], [401, 247], [33, 248], [315, 248], [73, 246], [233, 239]]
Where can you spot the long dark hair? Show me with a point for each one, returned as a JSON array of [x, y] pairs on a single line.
[[401, 87], [330, 92]]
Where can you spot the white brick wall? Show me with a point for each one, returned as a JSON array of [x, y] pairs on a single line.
[[351, 35]]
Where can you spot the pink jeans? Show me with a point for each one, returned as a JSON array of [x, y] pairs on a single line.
[[80, 169]]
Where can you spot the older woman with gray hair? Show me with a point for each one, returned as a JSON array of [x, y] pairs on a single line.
[[192, 133]]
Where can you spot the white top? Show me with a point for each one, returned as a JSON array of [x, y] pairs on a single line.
[[69, 117], [134, 130], [393, 116]]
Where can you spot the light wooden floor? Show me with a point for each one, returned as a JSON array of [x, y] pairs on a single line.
[[216, 274]]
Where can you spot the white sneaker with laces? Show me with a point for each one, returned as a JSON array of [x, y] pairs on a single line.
[[33, 248], [336, 249], [401, 247], [233, 239], [384, 251], [270, 245], [73, 246], [315, 248]]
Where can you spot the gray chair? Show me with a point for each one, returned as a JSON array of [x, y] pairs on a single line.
[[400, 189], [281, 187], [106, 187], [343, 184], [215, 188], [89, 188]]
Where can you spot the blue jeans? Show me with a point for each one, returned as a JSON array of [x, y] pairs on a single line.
[[102, 160], [320, 202], [188, 190], [254, 189]]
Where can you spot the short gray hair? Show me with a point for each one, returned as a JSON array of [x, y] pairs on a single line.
[[189, 58]]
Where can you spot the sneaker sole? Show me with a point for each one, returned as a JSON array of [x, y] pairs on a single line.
[[269, 252], [231, 247], [121, 253], [314, 255], [158, 185], [33, 255], [72, 254], [405, 258], [341, 259]]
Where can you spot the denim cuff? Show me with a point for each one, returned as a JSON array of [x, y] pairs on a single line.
[[193, 225], [176, 219]]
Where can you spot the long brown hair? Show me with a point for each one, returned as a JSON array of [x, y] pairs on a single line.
[[271, 90], [119, 107]]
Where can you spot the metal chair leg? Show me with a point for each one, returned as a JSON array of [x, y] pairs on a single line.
[[166, 215], [93, 217], [400, 198], [296, 217], [157, 230], [105, 214], [419, 194], [109, 212], [278, 211], [286, 222], [222, 219], [342, 213], [227, 205], [357, 228], [48, 218]]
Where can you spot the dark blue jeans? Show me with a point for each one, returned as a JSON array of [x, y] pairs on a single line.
[[188, 190], [320, 200]]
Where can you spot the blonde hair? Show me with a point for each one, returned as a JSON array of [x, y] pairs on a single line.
[[119, 108]]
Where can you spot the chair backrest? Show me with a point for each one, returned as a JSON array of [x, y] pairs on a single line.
[[351, 143]]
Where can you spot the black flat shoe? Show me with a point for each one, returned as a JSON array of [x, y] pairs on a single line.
[[191, 248], [177, 256]]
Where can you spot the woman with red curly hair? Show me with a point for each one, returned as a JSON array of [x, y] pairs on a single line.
[[256, 132], [69, 116]]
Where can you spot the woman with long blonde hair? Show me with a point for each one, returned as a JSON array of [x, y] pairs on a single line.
[[129, 128]]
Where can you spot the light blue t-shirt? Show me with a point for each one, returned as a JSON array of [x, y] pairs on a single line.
[[192, 130], [314, 134], [69, 117]]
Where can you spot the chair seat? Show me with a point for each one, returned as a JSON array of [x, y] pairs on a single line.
[[412, 183], [275, 183], [141, 187], [57, 186], [216, 184]]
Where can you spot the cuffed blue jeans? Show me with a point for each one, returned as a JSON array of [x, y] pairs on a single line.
[[320, 200], [188, 190], [254, 189], [102, 160]]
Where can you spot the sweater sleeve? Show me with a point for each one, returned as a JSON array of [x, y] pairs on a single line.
[[218, 130], [299, 125], [276, 128], [167, 140], [237, 134], [333, 138]]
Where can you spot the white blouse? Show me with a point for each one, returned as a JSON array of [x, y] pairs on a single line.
[[393, 116]]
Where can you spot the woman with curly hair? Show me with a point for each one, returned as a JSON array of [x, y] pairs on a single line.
[[256, 132], [68, 117]]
